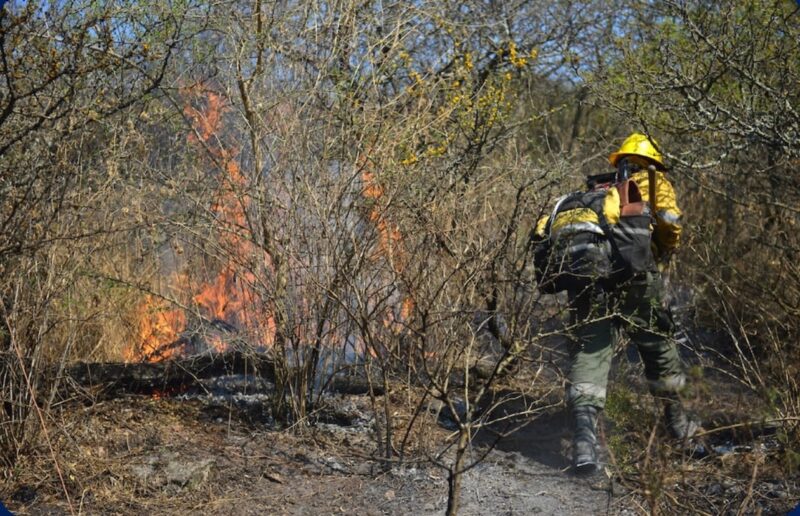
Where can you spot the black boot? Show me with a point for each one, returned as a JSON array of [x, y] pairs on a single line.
[[679, 424], [584, 441]]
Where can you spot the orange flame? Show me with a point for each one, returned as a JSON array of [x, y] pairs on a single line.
[[390, 245], [389, 236], [158, 326], [230, 296]]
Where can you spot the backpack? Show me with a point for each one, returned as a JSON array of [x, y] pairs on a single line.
[[580, 247]]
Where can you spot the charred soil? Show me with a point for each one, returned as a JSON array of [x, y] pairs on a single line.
[[186, 453]]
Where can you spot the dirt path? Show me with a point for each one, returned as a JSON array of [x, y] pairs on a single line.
[[528, 473], [511, 483]]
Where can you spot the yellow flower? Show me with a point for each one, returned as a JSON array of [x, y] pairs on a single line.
[[513, 58], [409, 160], [468, 61], [436, 151]]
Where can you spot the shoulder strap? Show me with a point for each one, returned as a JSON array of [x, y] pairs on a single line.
[[601, 217], [604, 225]]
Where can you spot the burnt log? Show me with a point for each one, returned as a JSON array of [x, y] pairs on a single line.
[[105, 380], [356, 384], [110, 379]]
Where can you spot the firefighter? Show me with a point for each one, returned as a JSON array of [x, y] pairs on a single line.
[[635, 306]]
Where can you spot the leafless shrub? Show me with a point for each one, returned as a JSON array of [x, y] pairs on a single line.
[[70, 72], [361, 180]]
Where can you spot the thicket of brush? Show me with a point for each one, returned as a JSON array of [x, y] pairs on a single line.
[[363, 179]]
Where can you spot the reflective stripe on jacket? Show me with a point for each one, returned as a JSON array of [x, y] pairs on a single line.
[[581, 219]]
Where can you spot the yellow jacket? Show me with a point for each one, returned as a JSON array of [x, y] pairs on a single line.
[[667, 233], [667, 230]]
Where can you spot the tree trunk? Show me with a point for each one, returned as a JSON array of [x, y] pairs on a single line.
[[456, 474]]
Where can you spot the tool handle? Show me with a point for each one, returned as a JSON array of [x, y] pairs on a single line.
[[651, 187]]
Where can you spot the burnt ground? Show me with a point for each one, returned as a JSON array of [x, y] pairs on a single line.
[[178, 455], [217, 451], [140, 455]]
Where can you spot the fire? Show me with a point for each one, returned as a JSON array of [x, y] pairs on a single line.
[[389, 236], [158, 327], [229, 297], [390, 246], [215, 299]]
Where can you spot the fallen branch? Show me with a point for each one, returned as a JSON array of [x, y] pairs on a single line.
[[110, 379]]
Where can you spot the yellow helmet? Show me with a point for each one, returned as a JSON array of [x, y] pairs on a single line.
[[638, 144]]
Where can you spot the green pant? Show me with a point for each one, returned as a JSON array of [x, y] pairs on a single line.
[[635, 307]]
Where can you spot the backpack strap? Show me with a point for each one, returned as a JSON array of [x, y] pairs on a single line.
[[615, 251], [603, 223]]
